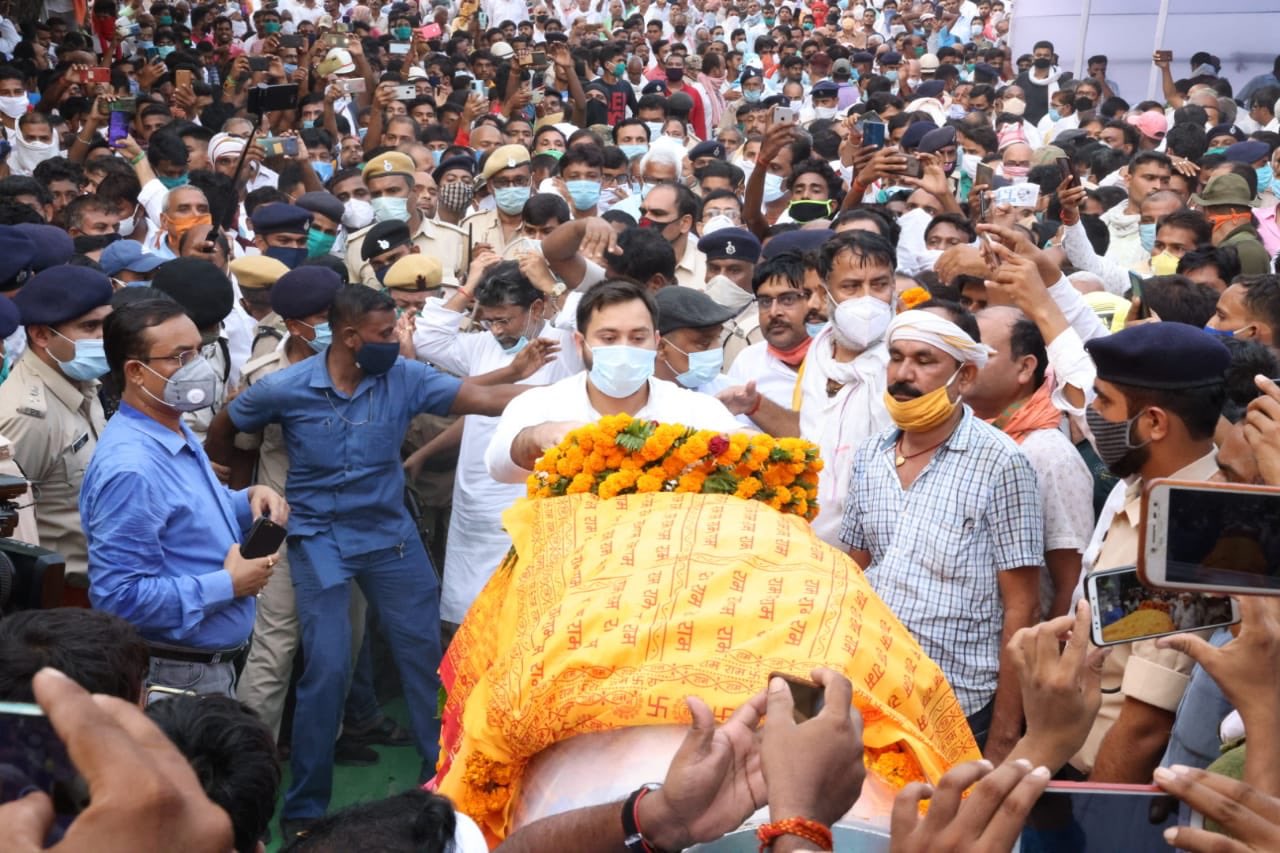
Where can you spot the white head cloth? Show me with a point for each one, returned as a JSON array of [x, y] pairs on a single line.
[[927, 327]]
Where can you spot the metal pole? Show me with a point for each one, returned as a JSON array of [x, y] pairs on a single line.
[[1082, 36], [1161, 19]]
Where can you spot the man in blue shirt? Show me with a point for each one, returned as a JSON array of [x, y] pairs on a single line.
[[343, 418], [163, 534]]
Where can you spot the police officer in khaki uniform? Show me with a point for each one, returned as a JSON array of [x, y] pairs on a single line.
[[1166, 432], [389, 178], [508, 176], [731, 256], [26, 531], [301, 299], [256, 274], [49, 405], [411, 281]]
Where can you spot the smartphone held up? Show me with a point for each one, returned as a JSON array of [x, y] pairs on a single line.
[[1124, 610]]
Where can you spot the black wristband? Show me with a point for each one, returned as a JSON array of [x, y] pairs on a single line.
[[631, 835]]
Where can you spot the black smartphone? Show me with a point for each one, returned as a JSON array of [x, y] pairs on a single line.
[[259, 63], [33, 758], [1135, 292], [1067, 173], [291, 41], [983, 175], [807, 697], [264, 539], [873, 133], [914, 168], [266, 99]]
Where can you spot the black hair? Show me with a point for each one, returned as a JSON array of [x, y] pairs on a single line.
[[615, 292], [716, 195], [1261, 298], [1131, 136], [1025, 339], [541, 208], [788, 266], [687, 202], [1189, 141], [958, 314], [1198, 408], [99, 651], [1191, 220], [1223, 258], [220, 192], [261, 196], [958, 220], [617, 217], [591, 156], [816, 166], [1178, 299], [17, 213], [1105, 162], [233, 754], [1144, 157], [166, 146], [505, 284], [16, 185], [628, 122], [73, 213], [1249, 358], [863, 244], [352, 304], [645, 253], [885, 223], [416, 821], [719, 169], [59, 169], [125, 330]]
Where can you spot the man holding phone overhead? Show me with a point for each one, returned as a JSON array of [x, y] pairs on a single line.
[[1153, 417]]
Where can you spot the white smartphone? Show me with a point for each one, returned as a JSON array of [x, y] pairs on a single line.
[[1211, 537], [784, 115], [1124, 610], [406, 93], [398, 48], [352, 85]]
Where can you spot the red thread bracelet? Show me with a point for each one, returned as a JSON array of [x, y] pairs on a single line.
[[756, 407], [809, 830]]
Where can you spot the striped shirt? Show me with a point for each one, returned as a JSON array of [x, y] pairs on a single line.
[[936, 547]]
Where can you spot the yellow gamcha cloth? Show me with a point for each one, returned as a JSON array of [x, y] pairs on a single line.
[[615, 610]]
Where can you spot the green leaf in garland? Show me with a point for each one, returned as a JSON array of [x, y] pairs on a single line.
[[720, 483], [636, 433]]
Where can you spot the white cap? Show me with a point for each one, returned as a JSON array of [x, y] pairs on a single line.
[[416, 73], [928, 63], [502, 50], [340, 59]]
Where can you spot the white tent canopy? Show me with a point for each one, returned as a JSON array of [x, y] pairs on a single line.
[[1242, 33]]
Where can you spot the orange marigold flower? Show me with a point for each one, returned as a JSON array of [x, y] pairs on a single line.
[[748, 487], [648, 483], [581, 484], [691, 482], [913, 296]]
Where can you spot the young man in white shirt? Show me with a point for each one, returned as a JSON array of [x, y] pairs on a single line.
[[617, 338]]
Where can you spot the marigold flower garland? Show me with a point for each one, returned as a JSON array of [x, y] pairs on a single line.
[[622, 455]]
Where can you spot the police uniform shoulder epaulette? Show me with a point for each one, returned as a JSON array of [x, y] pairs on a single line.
[[253, 365], [461, 232], [357, 235], [34, 402]]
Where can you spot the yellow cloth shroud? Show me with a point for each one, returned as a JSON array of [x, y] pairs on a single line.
[[615, 610]]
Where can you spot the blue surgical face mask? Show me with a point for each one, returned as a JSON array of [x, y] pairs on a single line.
[[619, 371], [1219, 332], [1265, 177], [308, 122], [323, 336], [290, 68], [703, 366], [891, 76], [1054, 115], [511, 200], [323, 169], [164, 50], [172, 183], [634, 151], [388, 207], [655, 128], [1147, 236], [645, 188], [585, 194], [855, 75], [814, 328], [436, 155], [773, 189], [752, 96], [362, 132], [89, 362], [515, 348]]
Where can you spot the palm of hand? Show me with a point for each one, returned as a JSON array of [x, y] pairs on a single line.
[[721, 784]]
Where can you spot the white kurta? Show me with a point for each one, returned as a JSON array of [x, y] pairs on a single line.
[[773, 379], [477, 541], [567, 400], [839, 424]]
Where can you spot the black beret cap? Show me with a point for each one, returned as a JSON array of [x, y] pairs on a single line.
[[305, 291], [62, 293], [383, 237], [280, 218], [17, 255], [323, 203], [736, 244], [10, 319], [202, 289], [799, 241], [53, 245], [1164, 356]]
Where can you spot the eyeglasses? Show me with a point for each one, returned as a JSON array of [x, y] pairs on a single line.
[[182, 359], [508, 183], [498, 323], [785, 300]]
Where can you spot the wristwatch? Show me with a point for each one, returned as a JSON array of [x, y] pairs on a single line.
[[559, 289]]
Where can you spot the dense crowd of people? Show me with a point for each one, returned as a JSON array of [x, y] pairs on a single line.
[[353, 267]]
